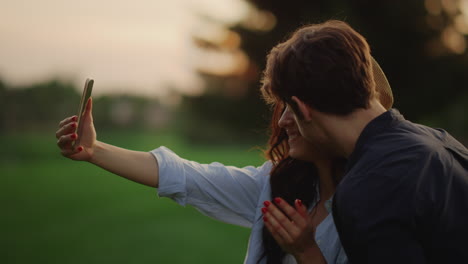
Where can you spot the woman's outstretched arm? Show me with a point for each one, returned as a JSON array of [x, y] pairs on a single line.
[[137, 166]]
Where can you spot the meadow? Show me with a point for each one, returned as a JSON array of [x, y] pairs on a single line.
[[55, 210]]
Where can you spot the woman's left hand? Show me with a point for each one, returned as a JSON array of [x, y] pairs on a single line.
[[292, 229]]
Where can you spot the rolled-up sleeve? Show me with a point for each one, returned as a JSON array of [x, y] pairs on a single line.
[[225, 193]]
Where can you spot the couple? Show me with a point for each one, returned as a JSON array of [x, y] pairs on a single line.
[[400, 190]]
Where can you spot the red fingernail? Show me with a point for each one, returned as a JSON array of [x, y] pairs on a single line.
[[74, 118], [299, 202], [73, 125], [277, 200], [73, 136], [80, 149], [264, 210], [266, 203], [265, 219]]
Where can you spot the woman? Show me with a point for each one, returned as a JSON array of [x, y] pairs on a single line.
[[232, 195], [286, 201]]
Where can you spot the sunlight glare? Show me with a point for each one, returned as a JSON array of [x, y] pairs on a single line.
[[140, 47]]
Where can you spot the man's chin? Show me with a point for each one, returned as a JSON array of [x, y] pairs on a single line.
[[302, 156], [295, 155]]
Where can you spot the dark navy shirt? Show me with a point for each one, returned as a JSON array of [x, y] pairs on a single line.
[[404, 198]]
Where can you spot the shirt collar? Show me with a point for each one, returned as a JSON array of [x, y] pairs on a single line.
[[328, 203], [373, 128]]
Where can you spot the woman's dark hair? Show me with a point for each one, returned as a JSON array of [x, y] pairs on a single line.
[[294, 63], [328, 66], [290, 179]]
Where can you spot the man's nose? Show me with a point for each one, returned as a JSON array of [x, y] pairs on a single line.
[[286, 118]]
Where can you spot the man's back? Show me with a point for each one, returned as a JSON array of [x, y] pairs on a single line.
[[404, 198]]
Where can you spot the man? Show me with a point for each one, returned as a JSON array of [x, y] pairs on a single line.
[[404, 198]]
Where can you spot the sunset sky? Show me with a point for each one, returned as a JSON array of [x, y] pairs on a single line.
[[144, 45], [140, 46]]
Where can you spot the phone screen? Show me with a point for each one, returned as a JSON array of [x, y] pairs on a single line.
[[88, 88]]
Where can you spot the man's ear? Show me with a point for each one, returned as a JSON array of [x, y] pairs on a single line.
[[303, 109]]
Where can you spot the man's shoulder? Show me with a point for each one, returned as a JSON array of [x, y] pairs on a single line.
[[408, 157], [406, 139], [393, 149], [404, 149]]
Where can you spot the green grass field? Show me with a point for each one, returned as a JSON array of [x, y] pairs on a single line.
[[55, 210]]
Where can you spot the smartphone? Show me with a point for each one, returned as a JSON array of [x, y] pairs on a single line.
[[88, 88]]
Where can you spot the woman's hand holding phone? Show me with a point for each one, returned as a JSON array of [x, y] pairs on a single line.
[[68, 133], [137, 166]]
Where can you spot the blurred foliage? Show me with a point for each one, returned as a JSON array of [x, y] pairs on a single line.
[[36, 106], [424, 82], [430, 82], [217, 118], [42, 106]]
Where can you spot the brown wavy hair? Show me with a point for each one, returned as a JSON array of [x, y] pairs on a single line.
[[328, 66], [290, 179]]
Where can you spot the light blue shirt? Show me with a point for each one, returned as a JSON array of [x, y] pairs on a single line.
[[235, 196]]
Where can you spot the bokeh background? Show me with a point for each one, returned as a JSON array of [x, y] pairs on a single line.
[[183, 74]]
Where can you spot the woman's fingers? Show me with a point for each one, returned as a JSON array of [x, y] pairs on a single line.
[[276, 229], [66, 147], [66, 135], [277, 218], [70, 151], [66, 129], [291, 212], [281, 217], [279, 238], [290, 226], [301, 208], [65, 141], [68, 120], [66, 126]]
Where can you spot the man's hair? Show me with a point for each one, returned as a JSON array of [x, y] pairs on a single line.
[[327, 65]]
